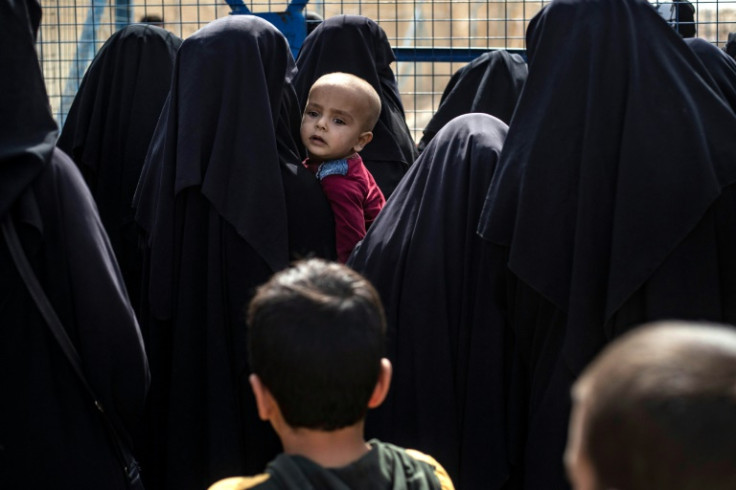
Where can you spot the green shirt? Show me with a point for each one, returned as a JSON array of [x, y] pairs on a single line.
[[385, 466]]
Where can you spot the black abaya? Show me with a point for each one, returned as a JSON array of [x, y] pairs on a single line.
[[109, 127], [491, 84], [356, 44], [51, 434], [613, 199], [224, 202], [447, 345]]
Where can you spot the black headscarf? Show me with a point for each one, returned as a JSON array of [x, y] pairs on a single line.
[[619, 146], [215, 133], [356, 44], [50, 430], [491, 84], [110, 124], [223, 202], [719, 64], [446, 343], [27, 129]]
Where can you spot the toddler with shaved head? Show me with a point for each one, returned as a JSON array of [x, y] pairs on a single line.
[[338, 121]]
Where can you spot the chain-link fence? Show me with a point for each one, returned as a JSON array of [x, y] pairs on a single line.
[[73, 30]]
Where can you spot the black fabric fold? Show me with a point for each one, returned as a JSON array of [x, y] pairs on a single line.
[[223, 202], [613, 200], [612, 168], [27, 129], [50, 431], [109, 127], [719, 64], [490, 84], [446, 339]]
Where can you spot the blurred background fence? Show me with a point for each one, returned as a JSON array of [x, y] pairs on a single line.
[[73, 30]]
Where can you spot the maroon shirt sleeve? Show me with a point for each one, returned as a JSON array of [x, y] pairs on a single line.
[[346, 199], [374, 199], [355, 199]]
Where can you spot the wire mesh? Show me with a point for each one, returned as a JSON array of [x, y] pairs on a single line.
[[73, 30]]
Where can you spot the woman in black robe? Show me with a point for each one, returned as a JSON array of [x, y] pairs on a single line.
[[356, 44], [613, 201], [109, 127], [446, 345], [51, 434], [491, 84], [224, 202]]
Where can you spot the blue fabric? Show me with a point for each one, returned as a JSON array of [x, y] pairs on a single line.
[[333, 167]]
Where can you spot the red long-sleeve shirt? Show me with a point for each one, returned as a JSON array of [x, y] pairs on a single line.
[[354, 197]]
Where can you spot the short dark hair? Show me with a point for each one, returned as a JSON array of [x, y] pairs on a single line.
[[660, 409], [317, 336]]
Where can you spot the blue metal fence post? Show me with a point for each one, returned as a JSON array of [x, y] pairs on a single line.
[[291, 22], [85, 52], [123, 13]]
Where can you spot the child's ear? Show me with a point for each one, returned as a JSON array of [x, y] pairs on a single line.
[[363, 140], [264, 400], [382, 385]]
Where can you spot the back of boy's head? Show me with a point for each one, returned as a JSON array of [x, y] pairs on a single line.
[[317, 334], [362, 89], [660, 409]]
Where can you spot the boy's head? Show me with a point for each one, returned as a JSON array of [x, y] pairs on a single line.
[[657, 409], [339, 116], [317, 333]]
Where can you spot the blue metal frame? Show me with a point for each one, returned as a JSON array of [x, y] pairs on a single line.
[[291, 23], [447, 54], [123, 13], [86, 47]]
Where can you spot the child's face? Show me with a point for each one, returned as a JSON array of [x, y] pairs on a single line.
[[333, 124]]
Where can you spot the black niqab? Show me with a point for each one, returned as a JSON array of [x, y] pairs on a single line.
[[217, 145], [50, 431], [27, 129], [224, 202], [618, 147], [109, 128], [490, 84], [445, 340], [613, 200], [357, 45]]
